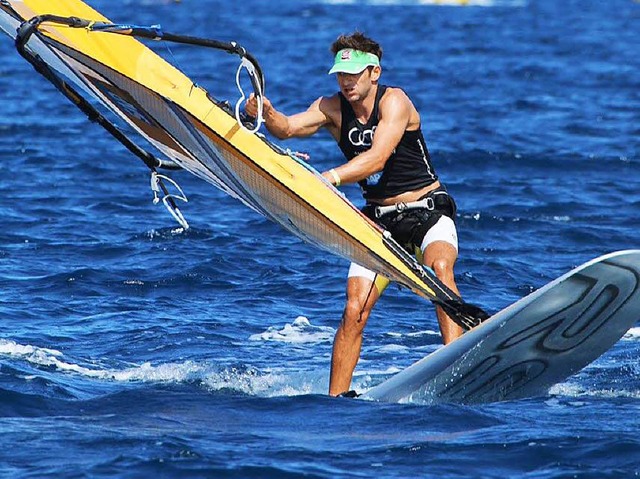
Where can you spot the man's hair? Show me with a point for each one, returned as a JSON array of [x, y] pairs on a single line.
[[357, 41]]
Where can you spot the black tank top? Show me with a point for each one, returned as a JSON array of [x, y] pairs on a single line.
[[409, 166]]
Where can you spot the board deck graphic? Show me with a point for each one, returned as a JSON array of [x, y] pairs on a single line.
[[533, 344]]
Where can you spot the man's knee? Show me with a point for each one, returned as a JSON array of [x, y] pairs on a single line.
[[442, 267], [355, 316]]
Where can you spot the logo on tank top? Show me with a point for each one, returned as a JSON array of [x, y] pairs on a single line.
[[361, 138], [374, 179], [362, 141]]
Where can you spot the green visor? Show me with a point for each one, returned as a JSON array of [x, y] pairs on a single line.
[[353, 61]]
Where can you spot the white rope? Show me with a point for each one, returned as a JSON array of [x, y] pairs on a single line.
[[252, 72], [156, 180]]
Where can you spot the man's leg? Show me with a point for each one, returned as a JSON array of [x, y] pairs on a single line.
[[362, 294], [440, 251]]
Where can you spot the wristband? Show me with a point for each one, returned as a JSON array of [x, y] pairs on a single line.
[[336, 177]]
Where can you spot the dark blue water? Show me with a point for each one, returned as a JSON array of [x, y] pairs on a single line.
[[129, 348]]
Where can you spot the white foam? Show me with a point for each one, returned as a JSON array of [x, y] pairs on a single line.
[[394, 335], [393, 348], [428, 332], [576, 391], [247, 380], [42, 357], [169, 372], [11, 348], [298, 332], [267, 383], [53, 358], [414, 334], [632, 334]]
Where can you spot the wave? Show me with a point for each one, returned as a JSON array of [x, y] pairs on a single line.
[[581, 391], [300, 331], [615, 375], [239, 378]]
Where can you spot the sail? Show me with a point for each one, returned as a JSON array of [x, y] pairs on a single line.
[[201, 135]]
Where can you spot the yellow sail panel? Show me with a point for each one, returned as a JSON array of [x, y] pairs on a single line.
[[206, 140]]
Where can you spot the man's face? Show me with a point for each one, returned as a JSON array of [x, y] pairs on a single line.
[[356, 87]]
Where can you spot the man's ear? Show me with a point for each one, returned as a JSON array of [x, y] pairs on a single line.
[[376, 71]]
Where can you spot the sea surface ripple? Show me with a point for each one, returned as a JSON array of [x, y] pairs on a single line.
[[131, 348]]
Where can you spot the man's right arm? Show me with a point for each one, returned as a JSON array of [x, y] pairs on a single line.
[[282, 126]]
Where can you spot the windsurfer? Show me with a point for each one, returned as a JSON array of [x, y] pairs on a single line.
[[378, 129]]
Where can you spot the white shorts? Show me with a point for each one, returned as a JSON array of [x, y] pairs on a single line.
[[443, 230]]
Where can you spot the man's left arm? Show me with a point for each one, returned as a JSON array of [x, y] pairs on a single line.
[[395, 113]]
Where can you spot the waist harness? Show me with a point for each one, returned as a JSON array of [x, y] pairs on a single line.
[[409, 222]]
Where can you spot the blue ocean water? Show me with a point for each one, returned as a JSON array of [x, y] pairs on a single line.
[[131, 348]]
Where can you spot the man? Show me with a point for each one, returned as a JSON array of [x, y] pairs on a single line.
[[378, 130]]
